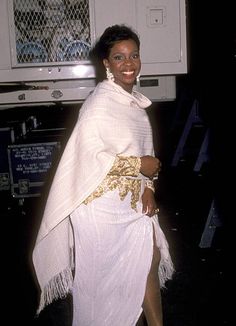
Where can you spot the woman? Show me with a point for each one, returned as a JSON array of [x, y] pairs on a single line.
[[99, 238]]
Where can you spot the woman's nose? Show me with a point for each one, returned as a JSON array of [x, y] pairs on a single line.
[[128, 61]]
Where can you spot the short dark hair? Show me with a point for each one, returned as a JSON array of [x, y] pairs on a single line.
[[110, 36]]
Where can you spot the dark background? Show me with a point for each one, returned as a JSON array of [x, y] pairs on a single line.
[[199, 292]]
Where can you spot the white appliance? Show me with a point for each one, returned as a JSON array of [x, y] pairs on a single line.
[[45, 47]]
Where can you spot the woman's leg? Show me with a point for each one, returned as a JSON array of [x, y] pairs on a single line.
[[142, 320], [152, 304]]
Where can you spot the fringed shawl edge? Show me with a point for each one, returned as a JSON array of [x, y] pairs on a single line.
[[57, 288]]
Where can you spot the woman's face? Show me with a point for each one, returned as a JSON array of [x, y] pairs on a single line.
[[124, 62]]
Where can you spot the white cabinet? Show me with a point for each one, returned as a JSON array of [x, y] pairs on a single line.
[[44, 40], [49, 42], [161, 25]]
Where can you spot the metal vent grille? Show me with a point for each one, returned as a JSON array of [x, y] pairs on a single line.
[[49, 31]]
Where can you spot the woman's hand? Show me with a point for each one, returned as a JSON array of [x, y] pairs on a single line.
[[150, 166], [149, 202]]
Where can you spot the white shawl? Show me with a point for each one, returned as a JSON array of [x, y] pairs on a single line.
[[111, 122]]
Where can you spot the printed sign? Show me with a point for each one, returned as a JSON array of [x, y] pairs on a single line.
[[29, 165]]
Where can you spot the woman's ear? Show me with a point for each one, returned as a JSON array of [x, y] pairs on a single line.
[[106, 63]]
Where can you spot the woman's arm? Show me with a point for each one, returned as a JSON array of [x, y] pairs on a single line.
[[148, 165]]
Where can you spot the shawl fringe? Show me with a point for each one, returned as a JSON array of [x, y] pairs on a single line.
[[58, 287], [166, 267], [165, 272]]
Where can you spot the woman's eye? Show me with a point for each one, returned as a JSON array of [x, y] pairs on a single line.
[[135, 56], [118, 57]]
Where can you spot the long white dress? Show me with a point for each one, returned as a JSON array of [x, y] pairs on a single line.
[[114, 253], [100, 251]]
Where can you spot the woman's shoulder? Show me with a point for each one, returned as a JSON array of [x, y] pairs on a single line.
[[97, 102], [101, 95]]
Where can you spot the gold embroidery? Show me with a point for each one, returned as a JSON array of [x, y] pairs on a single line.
[[126, 165], [123, 184]]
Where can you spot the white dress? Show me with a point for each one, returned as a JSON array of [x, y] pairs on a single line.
[[114, 253]]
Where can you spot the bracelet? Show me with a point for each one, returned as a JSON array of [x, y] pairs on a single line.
[[149, 184]]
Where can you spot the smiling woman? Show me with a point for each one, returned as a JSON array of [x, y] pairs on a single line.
[[100, 238]]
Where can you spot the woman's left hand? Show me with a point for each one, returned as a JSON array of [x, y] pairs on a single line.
[[149, 202]]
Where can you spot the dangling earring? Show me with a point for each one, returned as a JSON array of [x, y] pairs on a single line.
[[109, 74], [138, 78]]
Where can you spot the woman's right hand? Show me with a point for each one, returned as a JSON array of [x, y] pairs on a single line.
[[150, 166]]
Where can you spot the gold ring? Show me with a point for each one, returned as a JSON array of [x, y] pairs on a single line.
[[156, 210]]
